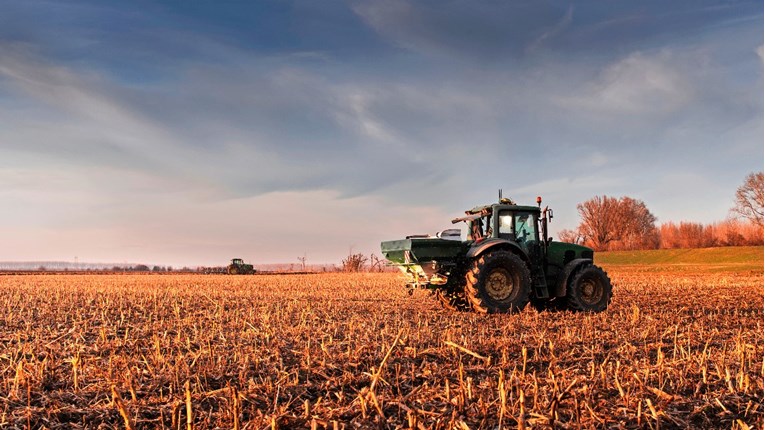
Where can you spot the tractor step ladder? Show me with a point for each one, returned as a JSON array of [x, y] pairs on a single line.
[[540, 284]]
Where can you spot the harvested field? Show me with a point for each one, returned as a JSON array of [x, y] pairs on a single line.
[[674, 350]]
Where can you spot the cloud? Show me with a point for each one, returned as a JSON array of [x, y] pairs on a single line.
[[466, 32], [108, 128], [247, 131], [267, 126], [461, 29], [553, 31], [358, 117], [638, 84]]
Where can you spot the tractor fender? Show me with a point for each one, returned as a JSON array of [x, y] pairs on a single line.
[[491, 244], [565, 275]]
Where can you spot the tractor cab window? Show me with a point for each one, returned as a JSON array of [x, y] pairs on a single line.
[[519, 227], [524, 228], [506, 225]]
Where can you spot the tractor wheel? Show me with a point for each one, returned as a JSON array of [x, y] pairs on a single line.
[[498, 282], [452, 301], [233, 271], [589, 290]]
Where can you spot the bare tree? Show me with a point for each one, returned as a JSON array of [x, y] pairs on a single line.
[[611, 223], [354, 262], [638, 226], [570, 236], [376, 264], [749, 199], [302, 262], [598, 225]]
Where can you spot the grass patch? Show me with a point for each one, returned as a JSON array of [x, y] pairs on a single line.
[[723, 259]]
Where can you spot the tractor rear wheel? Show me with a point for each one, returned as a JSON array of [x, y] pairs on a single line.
[[498, 282], [589, 290], [233, 271]]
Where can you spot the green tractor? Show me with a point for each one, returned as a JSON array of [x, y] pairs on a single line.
[[238, 267], [507, 261]]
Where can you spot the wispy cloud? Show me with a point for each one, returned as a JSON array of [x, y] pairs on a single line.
[[639, 84], [108, 126], [553, 31], [460, 29]]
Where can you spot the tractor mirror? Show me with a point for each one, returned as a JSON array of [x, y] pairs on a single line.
[[549, 214]]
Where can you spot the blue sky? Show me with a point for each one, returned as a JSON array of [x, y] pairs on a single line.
[[188, 133]]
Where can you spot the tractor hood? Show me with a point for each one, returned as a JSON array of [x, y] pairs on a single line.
[[562, 252]]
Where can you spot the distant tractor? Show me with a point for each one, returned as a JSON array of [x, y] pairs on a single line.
[[507, 261], [238, 267]]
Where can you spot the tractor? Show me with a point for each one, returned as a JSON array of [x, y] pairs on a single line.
[[238, 267], [507, 262]]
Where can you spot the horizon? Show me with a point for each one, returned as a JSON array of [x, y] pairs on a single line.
[[189, 134], [64, 265], [4, 265]]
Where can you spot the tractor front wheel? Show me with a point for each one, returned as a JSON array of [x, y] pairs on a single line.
[[498, 282], [589, 290]]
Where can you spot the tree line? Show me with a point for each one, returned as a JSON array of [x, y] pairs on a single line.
[[623, 223]]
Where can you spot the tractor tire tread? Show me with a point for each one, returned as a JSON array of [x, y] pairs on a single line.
[[473, 287], [573, 300]]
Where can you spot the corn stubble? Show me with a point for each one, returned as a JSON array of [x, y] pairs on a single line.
[[345, 351]]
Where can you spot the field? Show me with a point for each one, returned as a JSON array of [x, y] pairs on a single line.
[[678, 348]]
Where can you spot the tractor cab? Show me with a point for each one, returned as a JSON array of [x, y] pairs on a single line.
[[524, 225]]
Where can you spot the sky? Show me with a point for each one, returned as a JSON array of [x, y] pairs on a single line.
[[189, 133]]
